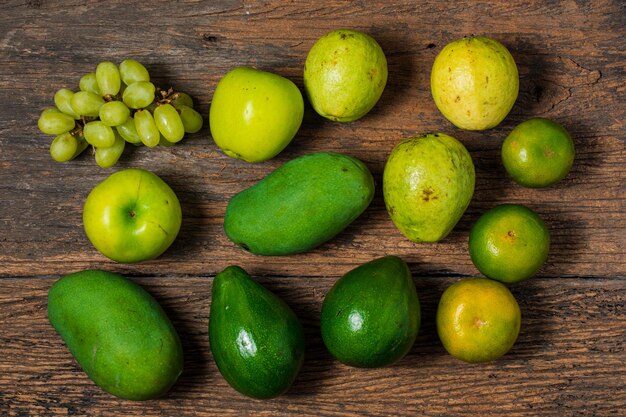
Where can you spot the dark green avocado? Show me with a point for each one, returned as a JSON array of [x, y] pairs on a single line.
[[256, 339], [371, 316]]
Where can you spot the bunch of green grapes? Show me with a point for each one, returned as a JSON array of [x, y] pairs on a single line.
[[115, 106]]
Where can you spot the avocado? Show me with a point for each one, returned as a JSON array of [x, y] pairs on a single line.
[[428, 183], [371, 316], [300, 205], [117, 332], [256, 339]]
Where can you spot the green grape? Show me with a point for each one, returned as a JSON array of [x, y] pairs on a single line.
[[62, 99], [192, 120], [182, 99], [165, 142], [66, 147], [82, 145], [107, 157], [54, 122], [98, 134], [50, 110], [146, 128], [86, 103], [132, 71], [63, 147], [89, 83], [128, 132], [168, 122], [108, 78], [114, 113], [139, 95]]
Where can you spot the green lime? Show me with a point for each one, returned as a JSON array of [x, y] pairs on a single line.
[[538, 153], [478, 320], [509, 243]]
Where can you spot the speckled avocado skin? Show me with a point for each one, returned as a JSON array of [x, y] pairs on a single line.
[[428, 183], [117, 332], [345, 74], [256, 339], [474, 82], [300, 205]]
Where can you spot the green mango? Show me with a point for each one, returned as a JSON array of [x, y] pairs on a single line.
[[428, 183], [371, 316], [300, 205], [256, 339], [117, 332]]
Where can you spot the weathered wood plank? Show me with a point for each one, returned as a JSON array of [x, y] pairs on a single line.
[[571, 61], [569, 358]]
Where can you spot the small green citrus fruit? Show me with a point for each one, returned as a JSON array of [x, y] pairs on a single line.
[[538, 153], [509, 243], [478, 320]]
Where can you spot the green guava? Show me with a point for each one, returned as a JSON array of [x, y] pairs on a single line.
[[474, 82], [428, 183], [345, 74]]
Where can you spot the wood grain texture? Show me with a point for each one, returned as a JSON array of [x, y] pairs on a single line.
[[569, 359], [571, 57], [571, 62]]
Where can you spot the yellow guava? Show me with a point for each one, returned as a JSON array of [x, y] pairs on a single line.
[[474, 82]]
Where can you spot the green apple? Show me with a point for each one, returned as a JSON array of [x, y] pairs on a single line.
[[132, 216], [255, 114]]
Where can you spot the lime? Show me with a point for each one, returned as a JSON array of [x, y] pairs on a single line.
[[538, 153], [474, 82], [509, 243], [345, 74], [478, 320]]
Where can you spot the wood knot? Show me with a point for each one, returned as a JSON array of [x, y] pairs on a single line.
[[209, 38]]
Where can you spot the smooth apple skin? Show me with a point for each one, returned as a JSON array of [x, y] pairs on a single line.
[[132, 216], [255, 114]]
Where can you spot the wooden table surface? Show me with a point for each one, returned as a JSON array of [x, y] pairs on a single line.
[[569, 358]]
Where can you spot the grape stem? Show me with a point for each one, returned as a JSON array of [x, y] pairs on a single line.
[[79, 126], [166, 96]]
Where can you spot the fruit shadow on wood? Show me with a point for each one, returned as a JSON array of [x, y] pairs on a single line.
[[567, 240], [427, 345], [400, 67], [544, 81], [318, 363], [537, 323], [194, 228], [491, 179], [589, 158], [193, 333]]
